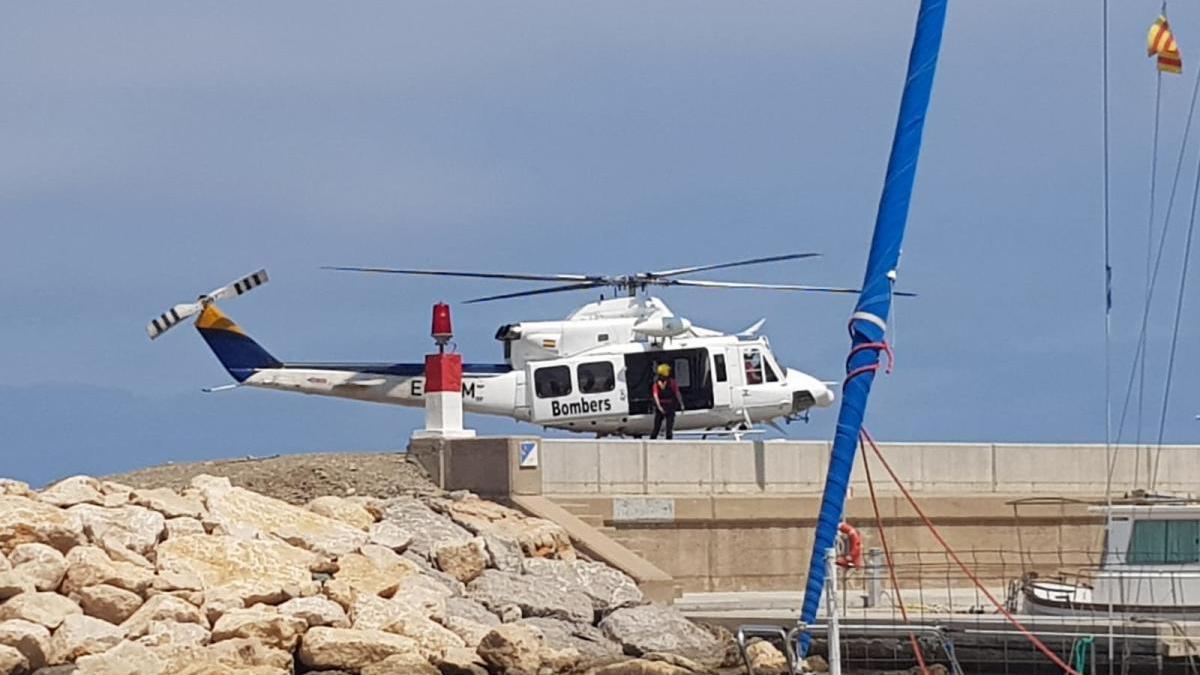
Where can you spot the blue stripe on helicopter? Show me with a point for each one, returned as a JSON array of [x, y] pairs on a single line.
[[398, 369]]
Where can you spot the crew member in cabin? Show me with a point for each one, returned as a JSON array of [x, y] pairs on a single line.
[[667, 400]]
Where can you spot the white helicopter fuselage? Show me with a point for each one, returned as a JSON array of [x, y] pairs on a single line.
[[592, 372], [725, 382]]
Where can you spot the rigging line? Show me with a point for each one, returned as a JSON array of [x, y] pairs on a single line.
[[1141, 365], [1108, 449], [1183, 274], [1162, 241], [1033, 639], [887, 554]]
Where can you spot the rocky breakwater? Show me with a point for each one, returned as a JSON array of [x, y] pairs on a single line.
[[99, 578]]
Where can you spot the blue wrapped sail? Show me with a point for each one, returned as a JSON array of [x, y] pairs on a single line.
[[868, 324]]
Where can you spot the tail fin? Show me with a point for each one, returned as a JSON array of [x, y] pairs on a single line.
[[240, 355]]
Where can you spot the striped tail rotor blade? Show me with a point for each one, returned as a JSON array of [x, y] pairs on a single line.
[[170, 318], [243, 285]]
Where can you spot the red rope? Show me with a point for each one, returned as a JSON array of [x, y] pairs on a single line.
[[966, 570], [878, 346], [887, 554]]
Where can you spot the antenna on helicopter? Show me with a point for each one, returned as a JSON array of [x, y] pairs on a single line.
[[631, 284]]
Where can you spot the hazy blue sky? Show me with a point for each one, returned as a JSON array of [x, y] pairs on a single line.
[[154, 150]]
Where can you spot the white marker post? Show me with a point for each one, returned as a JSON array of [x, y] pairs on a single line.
[[443, 384]]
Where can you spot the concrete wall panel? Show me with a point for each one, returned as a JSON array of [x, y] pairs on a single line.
[[679, 467]]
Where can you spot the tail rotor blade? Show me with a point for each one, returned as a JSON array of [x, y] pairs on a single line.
[[170, 318], [243, 285]]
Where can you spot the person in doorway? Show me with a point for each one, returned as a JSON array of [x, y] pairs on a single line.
[[667, 401]]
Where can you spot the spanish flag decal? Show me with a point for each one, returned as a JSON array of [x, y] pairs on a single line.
[[1161, 42]]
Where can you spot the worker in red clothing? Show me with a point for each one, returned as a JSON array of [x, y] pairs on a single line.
[[667, 401]]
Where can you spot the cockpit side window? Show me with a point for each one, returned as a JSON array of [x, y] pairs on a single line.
[[596, 378], [552, 382], [770, 371], [752, 360]]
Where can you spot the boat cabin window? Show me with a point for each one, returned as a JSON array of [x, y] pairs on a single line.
[[552, 381], [596, 378], [752, 360], [1164, 542], [719, 366]]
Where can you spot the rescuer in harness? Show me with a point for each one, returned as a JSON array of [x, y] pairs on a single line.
[[665, 392]]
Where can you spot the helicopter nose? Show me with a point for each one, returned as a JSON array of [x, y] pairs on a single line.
[[808, 391]]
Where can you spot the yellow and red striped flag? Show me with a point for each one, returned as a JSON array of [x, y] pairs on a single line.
[[1161, 41]]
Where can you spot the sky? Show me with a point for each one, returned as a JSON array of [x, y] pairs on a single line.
[[153, 151]]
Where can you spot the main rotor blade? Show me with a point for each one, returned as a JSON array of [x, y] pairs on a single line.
[[540, 291], [476, 275], [739, 263], [770, 287]]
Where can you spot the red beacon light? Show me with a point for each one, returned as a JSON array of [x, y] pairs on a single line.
[[442, 330]]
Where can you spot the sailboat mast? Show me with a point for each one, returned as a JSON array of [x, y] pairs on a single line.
[[868, 323]]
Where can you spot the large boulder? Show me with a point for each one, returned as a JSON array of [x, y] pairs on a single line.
[[655, 628], [90, 566], [127, 658], [608, 588], [535, 596], [325, 648], [162, 608], [343, 510], [375, 570], [183, 526], [469, 620], [765, 657], [12, 661], [504, 553], [433, 640], [169, 503], [81, 635], [240, 510], [316, 611], [72, 491], [46, 609], [593, 645], [216, 561], [537, 537], [15, 488], [389, 535], [128, 526], [463, 561], [108, 603], [512, 648], [23, 520], [31, 639], [40, 563], [401, 664], [14, 583], [174, 634], [243, 653], [642, 667], [429, 529], [371, 612], [266, 626]]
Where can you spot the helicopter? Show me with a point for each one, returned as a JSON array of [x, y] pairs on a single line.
[[590, 372]]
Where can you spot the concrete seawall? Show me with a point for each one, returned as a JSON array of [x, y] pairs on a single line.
[[738, 516], [798, 467]]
